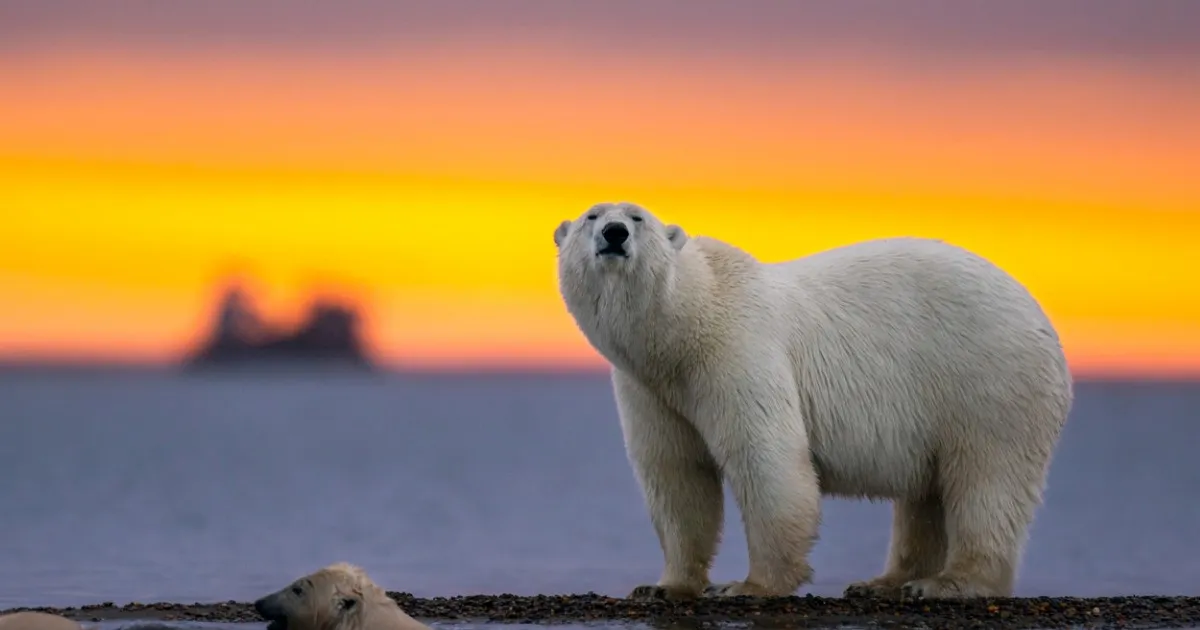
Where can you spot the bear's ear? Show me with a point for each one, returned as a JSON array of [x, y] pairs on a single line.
[[560, 233], [677, 236]]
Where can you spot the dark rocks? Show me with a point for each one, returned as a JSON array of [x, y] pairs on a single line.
[[239, 338], [783, 612], [819, 611]]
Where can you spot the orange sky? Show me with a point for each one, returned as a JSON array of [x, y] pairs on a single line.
[[431, 184]]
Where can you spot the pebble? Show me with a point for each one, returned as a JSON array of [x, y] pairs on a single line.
[[802, 611]]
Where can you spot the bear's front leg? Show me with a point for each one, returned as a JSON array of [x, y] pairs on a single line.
[[757, 434], [682, 488]]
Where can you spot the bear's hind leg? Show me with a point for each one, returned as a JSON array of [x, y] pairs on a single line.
[[989, 503], [682, 488], [917, 549]]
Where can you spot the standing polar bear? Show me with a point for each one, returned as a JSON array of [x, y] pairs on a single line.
[[903, 369]]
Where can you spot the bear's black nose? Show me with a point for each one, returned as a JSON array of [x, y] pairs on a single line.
[[264, 608], [615, 233]]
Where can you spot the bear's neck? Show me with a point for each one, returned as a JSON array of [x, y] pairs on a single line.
[[387, 615], [647, 325]]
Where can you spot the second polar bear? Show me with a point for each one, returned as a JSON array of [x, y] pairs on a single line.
[[338, 597], [904, 369]]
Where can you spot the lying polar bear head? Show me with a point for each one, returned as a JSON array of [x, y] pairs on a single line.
[[616, 237], [337, 597]]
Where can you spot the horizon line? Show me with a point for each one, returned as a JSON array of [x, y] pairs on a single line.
[[394, 368]]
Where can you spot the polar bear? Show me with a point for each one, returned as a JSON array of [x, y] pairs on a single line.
[[34, 620], [337, 597], [905, 369]]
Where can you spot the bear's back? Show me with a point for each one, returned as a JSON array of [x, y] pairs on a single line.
[[914, 285], [34, 620]]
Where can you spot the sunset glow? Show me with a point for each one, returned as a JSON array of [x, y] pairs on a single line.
[[428, 182]]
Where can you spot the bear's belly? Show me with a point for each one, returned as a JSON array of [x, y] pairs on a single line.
[[876, 466], [858, 449], [863, 483]]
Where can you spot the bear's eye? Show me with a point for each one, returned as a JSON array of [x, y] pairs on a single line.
[[637, 218], [592, 217], [297, 590], [347, 604]]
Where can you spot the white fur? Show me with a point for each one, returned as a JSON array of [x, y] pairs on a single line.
[[904, 369], [34, 620]]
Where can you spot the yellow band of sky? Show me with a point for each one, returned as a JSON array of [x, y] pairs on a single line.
[[430, 186]]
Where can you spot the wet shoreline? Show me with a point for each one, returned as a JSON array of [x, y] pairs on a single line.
[[806, 611]]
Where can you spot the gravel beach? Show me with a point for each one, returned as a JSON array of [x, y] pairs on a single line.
[[806, 611]]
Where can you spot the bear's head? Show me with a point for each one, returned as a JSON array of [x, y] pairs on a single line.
[[617, 238], [335, 597]]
